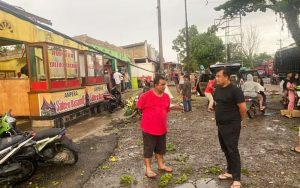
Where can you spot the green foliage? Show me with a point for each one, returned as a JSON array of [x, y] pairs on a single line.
[[182, 179], [187, 169], [179, 44], [3, 49], [259, 58], [130, 107], [182, 158], [165, 180], [214, 170], [205, 48], [104, 167], [287, 9], [18, 47], [126, 180], [245, 171], [170, 147], [295, 128]]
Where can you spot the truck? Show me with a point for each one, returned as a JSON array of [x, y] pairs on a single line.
[[287, 60]]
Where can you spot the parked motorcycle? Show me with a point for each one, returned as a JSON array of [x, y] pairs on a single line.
[[52, 146], [253, 108], [113, 100], [15, 164]]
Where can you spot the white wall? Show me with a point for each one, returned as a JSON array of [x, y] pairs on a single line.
[[136, 72]]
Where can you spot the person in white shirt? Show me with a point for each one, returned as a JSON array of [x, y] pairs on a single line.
[[252, 89], [117, 77]]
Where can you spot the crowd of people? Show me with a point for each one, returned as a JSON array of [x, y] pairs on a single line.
[[226, 98], [155, 104], [117, 79]]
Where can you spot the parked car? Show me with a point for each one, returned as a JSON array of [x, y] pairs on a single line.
[[236, 71]]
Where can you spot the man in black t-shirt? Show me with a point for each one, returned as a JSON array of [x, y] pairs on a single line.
[[230, 111]]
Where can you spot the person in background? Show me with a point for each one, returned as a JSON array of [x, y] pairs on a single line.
[[155, 105], [192, 80], [117, 77], [230, 111], [181, 81], [186, 94], [262, 93], [209, 92], [290, 86], [198, 88], [252, 89], [284, 88], [175, 78], [126, 80]]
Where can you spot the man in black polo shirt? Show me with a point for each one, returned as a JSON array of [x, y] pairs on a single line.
[[230, 110]]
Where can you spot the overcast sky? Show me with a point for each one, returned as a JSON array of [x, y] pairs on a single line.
[[123, 22]]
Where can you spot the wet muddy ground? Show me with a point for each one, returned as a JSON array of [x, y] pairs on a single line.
[[193, 152]]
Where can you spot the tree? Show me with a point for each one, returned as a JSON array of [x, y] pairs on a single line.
[[250, 43], [260, 58], [288, 10], [205, 48], [179, 44]]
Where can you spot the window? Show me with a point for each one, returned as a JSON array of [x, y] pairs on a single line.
[[37, 64], [56, 62], [38, 77], [71, 57]]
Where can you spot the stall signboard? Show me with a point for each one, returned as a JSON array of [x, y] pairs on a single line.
[[94, 94], [71, 63], [56, 62], [55, 103]]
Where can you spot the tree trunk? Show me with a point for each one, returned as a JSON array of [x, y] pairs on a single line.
[[291, 17]]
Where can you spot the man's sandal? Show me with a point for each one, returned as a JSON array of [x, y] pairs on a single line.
[[237, 185], [295, 150], [225, 176], [150, 175], [166, 169]]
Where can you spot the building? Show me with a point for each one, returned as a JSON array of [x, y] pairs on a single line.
[[145, 59]]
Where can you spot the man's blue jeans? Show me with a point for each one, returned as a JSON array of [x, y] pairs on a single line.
[[187, 105]]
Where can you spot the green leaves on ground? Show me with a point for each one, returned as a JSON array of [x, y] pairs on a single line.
[[127, 180], [170, 147], [214, 170], [182, 179], [165, 180]]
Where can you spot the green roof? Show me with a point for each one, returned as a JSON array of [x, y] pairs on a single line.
[[112, 53]]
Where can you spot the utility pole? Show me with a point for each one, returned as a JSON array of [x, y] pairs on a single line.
[[187, 39], [161, 56]]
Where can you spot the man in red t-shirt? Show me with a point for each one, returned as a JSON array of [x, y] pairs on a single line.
[[155, 105], [209, 92]]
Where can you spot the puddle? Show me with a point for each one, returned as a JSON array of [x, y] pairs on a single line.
[[207, 183]]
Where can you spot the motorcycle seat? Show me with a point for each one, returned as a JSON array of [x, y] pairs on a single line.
[[9, 141], [48, 133]]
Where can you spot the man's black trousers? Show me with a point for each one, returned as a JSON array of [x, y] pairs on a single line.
[[229, 135]]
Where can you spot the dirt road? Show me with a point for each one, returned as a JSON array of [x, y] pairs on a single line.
[[195, 154]]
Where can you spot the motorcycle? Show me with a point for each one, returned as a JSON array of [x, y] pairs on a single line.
[[52, 146], [16, 165], [253, 107], [113, 100]]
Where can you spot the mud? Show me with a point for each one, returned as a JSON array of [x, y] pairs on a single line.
[[193, 152], [264, 147]]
